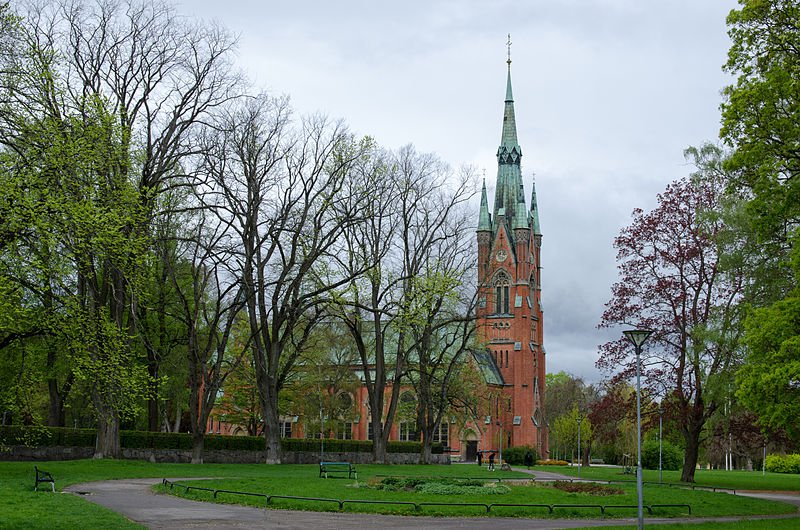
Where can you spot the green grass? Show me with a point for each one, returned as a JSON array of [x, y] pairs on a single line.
[[752, 524], [303, 481], [738, 480], [21, 507]]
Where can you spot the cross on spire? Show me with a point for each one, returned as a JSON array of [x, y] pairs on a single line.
[[508, 43]]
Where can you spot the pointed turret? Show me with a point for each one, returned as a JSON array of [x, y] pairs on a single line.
[[484, 219], [534, 211]]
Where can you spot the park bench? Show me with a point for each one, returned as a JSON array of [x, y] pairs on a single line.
[[326, 468], [44, 476]]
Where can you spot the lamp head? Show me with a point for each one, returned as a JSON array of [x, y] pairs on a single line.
[[637, 336]]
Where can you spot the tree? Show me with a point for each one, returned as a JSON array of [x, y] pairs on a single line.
[[108, 95], [671, 282], [210, 299], [769, 381], [367, 305], [280, 192], [435, 311], [759, 114], [759, 121], [564, 393], [566, 430]]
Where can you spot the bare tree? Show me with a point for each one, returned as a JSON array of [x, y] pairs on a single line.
[[410, 244], [210, 298], [282, 192]]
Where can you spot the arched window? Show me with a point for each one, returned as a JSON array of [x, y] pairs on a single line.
[[502, 285]]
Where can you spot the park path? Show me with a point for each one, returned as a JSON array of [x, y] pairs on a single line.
[[134, 499]]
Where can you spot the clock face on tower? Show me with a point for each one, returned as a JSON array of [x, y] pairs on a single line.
[[501, 255]]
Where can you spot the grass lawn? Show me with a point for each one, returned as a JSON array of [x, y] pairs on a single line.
[[302, 480], [738, 480], [21, 507], [769, 524]]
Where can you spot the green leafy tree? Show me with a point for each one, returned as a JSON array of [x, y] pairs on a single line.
[[769, 382], [565, 428], [759, 114], [760, 124]]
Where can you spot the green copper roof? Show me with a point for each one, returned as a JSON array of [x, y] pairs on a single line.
[[484, 221], [535, 211], [488, 368]]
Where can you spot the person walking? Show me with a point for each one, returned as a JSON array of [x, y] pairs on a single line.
[[480, 458], [491, 461], [528, 459]]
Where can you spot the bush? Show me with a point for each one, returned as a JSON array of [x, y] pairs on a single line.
[[783, 463], [671, 455], [516, 455]]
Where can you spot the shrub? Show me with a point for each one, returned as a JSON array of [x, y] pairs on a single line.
[[671, 455], [550, 462], [783, 463], [516, 455]]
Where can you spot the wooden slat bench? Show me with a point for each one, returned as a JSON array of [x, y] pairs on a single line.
[[326, 468]]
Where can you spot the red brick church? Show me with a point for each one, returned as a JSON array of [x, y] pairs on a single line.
[[509, 313]]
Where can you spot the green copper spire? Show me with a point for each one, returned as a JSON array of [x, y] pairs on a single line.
[[534, 211], [508, 192], [484, 221]]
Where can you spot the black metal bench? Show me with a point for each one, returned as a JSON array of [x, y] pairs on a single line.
[[44, 476], [326, 468]]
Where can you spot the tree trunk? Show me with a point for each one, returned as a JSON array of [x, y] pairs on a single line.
[[108, 445], [692, 438], [425, 455], [55, 413], [378, 442], [587, 449], [272, 431], [198, 440], [153, 416]]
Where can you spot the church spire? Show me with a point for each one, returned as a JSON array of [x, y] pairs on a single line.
[[509, 155], [534, 211], [484, 220]]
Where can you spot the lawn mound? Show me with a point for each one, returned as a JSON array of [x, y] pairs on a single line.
[[591, 488]]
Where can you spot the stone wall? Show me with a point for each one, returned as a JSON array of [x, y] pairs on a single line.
[[23, 453]]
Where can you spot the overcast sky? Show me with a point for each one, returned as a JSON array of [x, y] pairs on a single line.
[[608, 94]]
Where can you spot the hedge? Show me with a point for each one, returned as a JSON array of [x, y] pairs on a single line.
[[41, 436], [783, 463], [516, 455]]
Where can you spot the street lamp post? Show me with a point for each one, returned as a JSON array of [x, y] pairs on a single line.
[[660, 416], [637, 337], [580, 459]]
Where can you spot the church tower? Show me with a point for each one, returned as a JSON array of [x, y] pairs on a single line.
[[509, 313]]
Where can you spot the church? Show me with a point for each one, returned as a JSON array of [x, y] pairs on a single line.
[[509, 311]]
